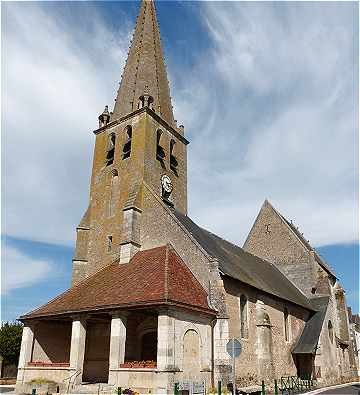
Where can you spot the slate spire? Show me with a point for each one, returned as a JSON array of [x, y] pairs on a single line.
[[145, 71]]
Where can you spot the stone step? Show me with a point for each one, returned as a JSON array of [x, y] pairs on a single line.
[[96, 388]]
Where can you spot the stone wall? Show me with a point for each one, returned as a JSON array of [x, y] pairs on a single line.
[[92, 247], [173, 327], [248, 365], [271, 239]]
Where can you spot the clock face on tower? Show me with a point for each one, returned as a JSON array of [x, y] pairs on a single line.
[[166, 184]]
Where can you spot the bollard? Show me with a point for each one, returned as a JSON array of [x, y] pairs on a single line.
[[119, 390], [219, 387], [176, 388], [263, 387], [276, 390], [57, 389], [33, 392]]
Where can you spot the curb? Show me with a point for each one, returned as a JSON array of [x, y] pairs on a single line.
[[320, 390]]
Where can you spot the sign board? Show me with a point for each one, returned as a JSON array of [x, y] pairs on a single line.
[[198, 388], [184, 386], [192, 387], [233, 348]]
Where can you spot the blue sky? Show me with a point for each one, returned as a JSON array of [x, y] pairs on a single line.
[[267, 94]]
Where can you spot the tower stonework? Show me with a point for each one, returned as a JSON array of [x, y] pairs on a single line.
[[135, 144]]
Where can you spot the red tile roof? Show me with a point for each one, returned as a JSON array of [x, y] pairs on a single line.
[[153, 277]]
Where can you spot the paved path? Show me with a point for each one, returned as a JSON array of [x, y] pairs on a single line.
[[343, 389], [353, 389]]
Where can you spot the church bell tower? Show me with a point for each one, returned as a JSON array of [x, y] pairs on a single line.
[[137, 145]]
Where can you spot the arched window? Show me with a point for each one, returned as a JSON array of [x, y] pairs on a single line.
[[114, 192], [160, 153], [173, 161], [110, 149], [243, 317], [331, 331], [286, 324], [127, 144]]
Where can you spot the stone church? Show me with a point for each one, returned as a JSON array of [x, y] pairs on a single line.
[[155, 297]]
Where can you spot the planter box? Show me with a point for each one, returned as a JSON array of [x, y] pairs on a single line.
[[134, 365], [49, 364]]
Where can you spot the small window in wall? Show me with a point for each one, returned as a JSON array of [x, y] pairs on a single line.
[[127, 144], [110, 150], [243, 317], [173, 160], [114, 192], [160, 153], [109, 243], [286, 324], [331, 331]]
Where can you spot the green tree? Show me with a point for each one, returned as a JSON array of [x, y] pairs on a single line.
[[10, 341]]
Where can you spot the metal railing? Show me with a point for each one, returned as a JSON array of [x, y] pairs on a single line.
[[71, 379]]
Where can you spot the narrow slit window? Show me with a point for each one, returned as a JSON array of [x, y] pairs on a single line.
[[173, 160], [331, 331], [109, 243], [160, 153], [127, 144], [114, 192], [243, 317], [286, 324], [111, 149]]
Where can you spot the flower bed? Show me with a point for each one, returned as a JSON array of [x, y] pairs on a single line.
[[49, 364], [138, 364]]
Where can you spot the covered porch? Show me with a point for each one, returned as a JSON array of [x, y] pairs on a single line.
[[142, 340], [138, 348]]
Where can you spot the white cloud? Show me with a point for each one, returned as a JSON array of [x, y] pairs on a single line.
[[19, 270], [278, 118]]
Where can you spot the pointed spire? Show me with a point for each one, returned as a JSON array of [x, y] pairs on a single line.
[[145, 72]]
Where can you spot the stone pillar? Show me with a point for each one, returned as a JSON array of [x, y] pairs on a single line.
[[27, 342], [166, 341], [165, 352], [117, 345], [222, 361], [264, 342], [77, 349]]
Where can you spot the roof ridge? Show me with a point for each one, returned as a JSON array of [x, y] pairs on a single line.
[[172, 248]]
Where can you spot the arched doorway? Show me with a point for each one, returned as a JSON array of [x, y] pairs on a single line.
[[191, 353]]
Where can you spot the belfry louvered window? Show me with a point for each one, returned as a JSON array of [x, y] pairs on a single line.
[[160, 153], [127, 144], [173, 160], [114, 192], [110, 150]]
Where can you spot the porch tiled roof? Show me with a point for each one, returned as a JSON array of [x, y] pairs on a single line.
[[157, 276]]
